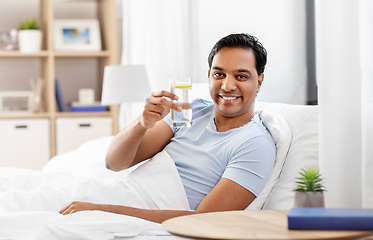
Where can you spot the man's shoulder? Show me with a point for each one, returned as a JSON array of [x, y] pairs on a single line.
[[199, 103], [201, 108], [254, 132]]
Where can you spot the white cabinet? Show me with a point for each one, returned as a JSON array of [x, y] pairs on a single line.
[[72, 132], [24, 143]]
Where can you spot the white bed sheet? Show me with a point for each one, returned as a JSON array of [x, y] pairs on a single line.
[[30, 201]]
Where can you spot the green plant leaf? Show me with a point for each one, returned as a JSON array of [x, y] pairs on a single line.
[[310, 180], [28, 24]]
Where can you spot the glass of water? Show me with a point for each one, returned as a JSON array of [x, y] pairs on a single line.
[[183, 89]]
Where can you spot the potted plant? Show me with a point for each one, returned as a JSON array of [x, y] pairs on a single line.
[[310, 190], [29, 36]]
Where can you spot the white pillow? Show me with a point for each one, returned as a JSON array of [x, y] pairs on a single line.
[[87, 161], [282, 136], [81, 160], [14, 171], [303, 123]]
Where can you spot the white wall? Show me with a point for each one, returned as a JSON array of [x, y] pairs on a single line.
[[278, 24]]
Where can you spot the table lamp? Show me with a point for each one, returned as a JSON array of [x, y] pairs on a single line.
[[124, 84]]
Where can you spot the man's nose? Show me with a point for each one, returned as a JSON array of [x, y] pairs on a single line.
[[228, 84]]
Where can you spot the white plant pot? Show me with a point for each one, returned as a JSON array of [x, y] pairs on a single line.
[[29, 41], [309, 199]]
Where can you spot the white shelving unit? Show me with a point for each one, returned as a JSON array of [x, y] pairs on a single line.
[[47, 57]]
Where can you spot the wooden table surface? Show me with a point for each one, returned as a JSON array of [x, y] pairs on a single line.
[[265, 224]]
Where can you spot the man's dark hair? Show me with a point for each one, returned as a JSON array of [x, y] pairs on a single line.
[[242, 40]]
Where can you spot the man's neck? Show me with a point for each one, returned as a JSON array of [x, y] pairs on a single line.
[[224, 124]]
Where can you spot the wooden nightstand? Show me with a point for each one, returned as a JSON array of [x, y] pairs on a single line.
[[266, 224]]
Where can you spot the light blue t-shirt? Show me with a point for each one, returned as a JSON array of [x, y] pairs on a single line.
[[202, 155]]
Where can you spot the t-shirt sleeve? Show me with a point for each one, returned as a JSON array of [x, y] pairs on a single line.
[[167, 119], [252, 164]]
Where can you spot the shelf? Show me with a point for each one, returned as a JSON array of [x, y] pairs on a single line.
[[58, 114], [83, 114], [18, 54], [24, 115], [81, 54]]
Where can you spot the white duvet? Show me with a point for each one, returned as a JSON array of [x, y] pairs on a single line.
[[29, 204]]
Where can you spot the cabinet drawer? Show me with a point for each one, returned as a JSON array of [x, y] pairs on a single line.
[[24, 143], [72, 132]]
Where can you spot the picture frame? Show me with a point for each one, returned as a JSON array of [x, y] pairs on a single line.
[[77, 35], [16, 102]]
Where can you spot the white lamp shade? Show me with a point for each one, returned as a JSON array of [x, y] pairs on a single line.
[[124, 84]]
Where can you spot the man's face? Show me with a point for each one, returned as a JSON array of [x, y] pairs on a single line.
[[234, 82]]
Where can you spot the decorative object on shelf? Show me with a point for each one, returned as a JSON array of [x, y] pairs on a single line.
[[16, 102], [8, 40], [37, 87], [86, 107], [124, 84], [29, 36], [77, 35], [310, 190], [59, 97], [86, 95]]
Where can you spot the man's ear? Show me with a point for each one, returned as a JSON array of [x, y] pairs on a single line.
[[208, 73], [260, 81]]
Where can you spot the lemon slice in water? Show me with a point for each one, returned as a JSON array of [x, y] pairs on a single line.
[[183, 86]]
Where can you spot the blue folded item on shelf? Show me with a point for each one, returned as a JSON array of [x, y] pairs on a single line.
[[94, 107], [89, 109], [330, 219]]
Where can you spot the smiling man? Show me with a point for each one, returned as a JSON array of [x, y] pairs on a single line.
[[234, 83], [225, 158]]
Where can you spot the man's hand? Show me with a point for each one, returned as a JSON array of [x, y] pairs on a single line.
[[151, 215], [225, 196], [145, 136], [79, 206], [157, 107]]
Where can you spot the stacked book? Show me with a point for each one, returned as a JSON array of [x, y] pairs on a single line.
[[78, 106], [90, 107], [330, 219]]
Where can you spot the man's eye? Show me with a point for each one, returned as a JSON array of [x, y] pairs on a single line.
[[242, 77], [218, 75]]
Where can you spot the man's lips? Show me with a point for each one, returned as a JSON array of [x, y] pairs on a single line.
[[229, 98]]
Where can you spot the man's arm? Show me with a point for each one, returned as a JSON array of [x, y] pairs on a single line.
[[225, 196], [145, 136]]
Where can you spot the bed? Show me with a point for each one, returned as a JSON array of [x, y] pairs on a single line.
[[294, 128]]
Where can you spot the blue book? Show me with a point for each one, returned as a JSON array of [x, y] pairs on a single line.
[[59, 98], [330, 219], [94, 107]]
